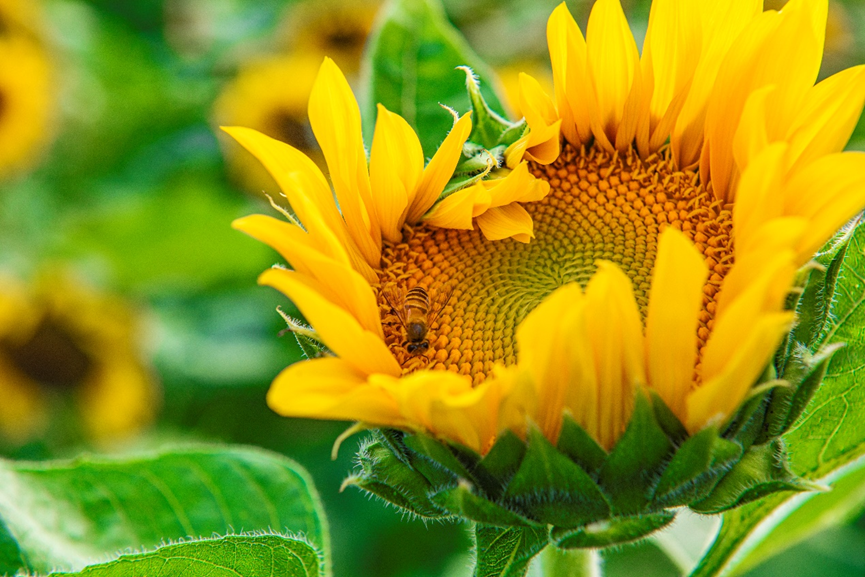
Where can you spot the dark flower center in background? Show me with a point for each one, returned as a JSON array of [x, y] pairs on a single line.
[[287, 127], [50, 356]]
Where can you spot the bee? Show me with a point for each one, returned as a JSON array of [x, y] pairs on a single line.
[[417, 312]]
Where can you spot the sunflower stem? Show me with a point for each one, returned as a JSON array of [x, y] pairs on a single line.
[[571, 563]]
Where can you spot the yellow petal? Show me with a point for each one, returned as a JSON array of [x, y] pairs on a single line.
[[306, 189], [670, 55], [335, 120], [329, 388], [299, 178], [764, 295], [518, 185], [772, 238], [544, 125], [557, 42], [718, 397], [829, 192], [447, 405], [828, 116], [290, 240], [510, 221], [519, 399], [752, 136], [613, 60], [440, 169], [722, 22], [546, 340], [574, 97], [789, 57], [340, 331], [395, 169], [759, 191], [614, 325], [306, 256], [671, 324], [458, 209], [736, 79]]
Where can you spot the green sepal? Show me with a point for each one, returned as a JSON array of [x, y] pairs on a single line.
[[502, 462], [804, 372], [614, 531], [813, 308], [311, 348], [384, 474], [552, 489], [462, 501], [580, 447], [386, 493], [489, 129], [694, 469], [437, 453], [746, 425], [761, 471], [634, 465], [667, 419]]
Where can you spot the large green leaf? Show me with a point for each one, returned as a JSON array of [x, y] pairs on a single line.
[[506, 552], [830, 433], [71, 514], [232, 556], [411, 69]]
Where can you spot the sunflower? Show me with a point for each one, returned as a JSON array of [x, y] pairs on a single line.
[[66, 350], [26, 103], [645, 233]]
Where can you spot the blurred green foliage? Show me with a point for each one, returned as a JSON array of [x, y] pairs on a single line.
[[135, 195]]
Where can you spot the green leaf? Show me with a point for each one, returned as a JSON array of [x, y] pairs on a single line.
[[614, 531], [232, 556], [506, 552], [553, 489], [632, 467], [411, 66], [817, 511], [66, 515]]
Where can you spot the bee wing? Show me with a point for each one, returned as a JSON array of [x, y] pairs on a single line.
[[439, 302], [395, 297]]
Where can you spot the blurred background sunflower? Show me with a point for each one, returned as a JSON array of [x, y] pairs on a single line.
[[128, 312]]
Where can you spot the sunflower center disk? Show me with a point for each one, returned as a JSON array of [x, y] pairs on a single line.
[[600, 206]]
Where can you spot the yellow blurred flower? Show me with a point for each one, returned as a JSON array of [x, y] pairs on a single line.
[[269, 95], [20, 16], [646, 235], [336, 28], [26, 91], [64, 349]]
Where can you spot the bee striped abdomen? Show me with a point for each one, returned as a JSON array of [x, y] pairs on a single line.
[[417, 298]]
